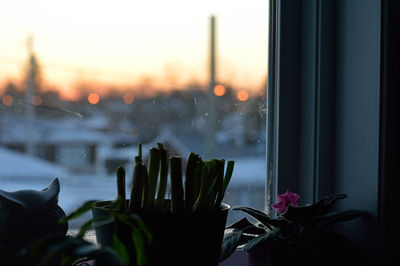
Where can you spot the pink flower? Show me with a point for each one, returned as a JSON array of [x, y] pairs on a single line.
[[284, 200]]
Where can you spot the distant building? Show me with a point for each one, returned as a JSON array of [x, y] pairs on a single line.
[[64, 142]]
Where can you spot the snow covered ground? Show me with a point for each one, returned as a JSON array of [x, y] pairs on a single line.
[[19, 171]]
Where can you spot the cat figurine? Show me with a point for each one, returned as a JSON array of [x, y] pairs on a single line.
[[26, 215]]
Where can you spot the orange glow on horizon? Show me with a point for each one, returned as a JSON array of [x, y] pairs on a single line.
[[7, 100], [93, 98], [149, 58], [128, 98], [68, 95], [37, 100], [242, 95], [219, 90]]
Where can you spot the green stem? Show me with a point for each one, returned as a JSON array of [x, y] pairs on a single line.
[[140, 150], [162, 188], [138, 159], [218, 191], [205, 172], [198, 179], [139, 178], [151, 184], [212, 182], [177, 203], [190, 181], [227, 179], [121, 188]]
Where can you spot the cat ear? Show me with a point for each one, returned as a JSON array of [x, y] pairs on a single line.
[[9, 197], [51, 192]]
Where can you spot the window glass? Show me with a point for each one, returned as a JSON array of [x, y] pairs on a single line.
[[83, 82]]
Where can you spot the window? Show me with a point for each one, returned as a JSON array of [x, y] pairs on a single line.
[[333, 71], [83, 82]]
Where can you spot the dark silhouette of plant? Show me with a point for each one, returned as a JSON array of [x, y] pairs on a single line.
[[300, 235]]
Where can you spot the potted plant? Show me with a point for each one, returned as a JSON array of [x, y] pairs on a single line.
[[150, 229], [299, 235]]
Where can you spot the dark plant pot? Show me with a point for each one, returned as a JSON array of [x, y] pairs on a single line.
[[178, 238]]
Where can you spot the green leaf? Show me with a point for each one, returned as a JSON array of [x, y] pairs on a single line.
[[84, 228], [143, 229], [229, 244], [303, 214], [260, 216], [228, 174], [256, 230], [137, 239], [87, 206], [248, 227], [135, 221], [121, 250], [94, 223], [328, 220], [262, 239], [69, 248], [241, 224], [139, 235]]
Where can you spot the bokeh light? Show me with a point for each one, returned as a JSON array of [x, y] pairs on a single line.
[[37, 100], [7, 100], [128, 98], [93, 98], [219, 90], [242, 95]]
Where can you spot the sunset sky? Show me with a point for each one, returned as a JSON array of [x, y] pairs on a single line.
[[124, 43]]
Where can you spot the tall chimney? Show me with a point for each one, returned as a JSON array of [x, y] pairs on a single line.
[[212, 114]]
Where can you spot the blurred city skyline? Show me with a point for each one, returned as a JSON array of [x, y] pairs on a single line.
[[131, 45]]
